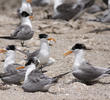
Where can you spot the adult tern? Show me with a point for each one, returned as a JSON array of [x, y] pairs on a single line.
[[83, 70], [35, 80], [24, 30], [67, 11], [13, 73], [43, 54]]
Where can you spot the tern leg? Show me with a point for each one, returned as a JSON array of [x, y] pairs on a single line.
[[22, 43], [40, 68]]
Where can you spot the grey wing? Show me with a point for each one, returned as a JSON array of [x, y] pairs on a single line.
[[86, 3], [23, 32], [87, 72], [12, 68], [33, 54], [14, 78], [38, 77], [93, 70], [16, 31], [67, 12], [65, 8]]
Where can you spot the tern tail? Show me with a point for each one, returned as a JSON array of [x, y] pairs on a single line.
[[7, 37], [56, 78], [4, 75], [108, 72]]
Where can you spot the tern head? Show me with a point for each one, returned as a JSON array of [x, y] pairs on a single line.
[[45, 36], [26, 14], [32, 60], [76, 47], [9, 47], [79, 46]]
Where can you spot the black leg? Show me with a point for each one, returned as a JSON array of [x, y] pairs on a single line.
[[22, 43]]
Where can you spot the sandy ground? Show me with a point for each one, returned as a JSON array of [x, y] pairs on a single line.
[[66, 35]]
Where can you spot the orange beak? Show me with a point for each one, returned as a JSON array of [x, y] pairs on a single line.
[[52, 39], [68, 52], [21, 67], [29, 1], [3, 51], [31, 17]]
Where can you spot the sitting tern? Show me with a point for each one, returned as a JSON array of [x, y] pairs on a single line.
[[83, 70], [13, 73], [24, 30], [105, 18], [35, 80], [67, 11], [25, 6]]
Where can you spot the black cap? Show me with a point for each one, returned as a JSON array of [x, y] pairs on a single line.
[[24, 14], [43, 36], [11, 47], [79, 46], [32, 60]]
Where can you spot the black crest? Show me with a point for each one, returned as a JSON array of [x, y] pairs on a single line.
[[43, 36], [24, 14], [11, 47], [79, 46]]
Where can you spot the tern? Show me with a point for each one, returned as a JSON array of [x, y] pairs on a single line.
[[43, 54], [24, 30], [35, 80], [13, 73], [67, 11], [103, 19], [82, 69]]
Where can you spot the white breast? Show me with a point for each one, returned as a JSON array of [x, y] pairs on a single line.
[[29, 70], [43, 56]]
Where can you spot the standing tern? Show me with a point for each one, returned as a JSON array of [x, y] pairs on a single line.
[[25, 6], [35, 80], [24, 30], [67, 11], [13, 73], [83, 70], [43, 53]]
